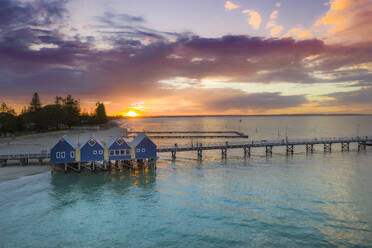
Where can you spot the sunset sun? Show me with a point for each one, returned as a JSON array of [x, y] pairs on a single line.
[[131, 113]]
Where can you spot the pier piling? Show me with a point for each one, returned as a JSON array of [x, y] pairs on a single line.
[[309, 148], [289, 149], [200, 154], [224, 153], [269, 150], [247, 152], [345, 147], [174, 154], [328, 147]]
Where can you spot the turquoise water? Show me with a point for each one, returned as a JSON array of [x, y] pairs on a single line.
[[300, 201]]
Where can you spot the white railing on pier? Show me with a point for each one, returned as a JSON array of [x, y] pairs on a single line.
[[282, 142]]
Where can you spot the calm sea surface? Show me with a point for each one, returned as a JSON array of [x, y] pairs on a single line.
[[299, 201]]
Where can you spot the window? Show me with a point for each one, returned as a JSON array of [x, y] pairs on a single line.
[[91, 142], [100, 152], [112, 152], [143, 149], [95, 152], [58, 155], [72, 154], [138, 150], [127, 152], [122, 152], [119, 141], [63, 154], [117, 152]]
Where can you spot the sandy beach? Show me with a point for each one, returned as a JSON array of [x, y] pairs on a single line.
[[36, 143], [14, 172]]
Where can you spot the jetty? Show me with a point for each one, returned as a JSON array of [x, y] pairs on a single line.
[[308, 145], [290, 145]]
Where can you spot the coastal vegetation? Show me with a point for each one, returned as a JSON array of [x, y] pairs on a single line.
[[63, 113]]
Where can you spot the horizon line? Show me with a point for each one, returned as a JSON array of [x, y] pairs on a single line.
[[244, 115]]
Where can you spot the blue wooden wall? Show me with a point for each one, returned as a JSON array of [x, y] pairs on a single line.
[[119, 151], [62, 152], [145, 149], [93, 153]]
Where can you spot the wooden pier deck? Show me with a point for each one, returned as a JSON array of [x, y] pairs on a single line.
[[290, 145], [269, 144]]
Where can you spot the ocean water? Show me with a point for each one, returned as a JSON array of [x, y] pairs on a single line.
[[317, 200]]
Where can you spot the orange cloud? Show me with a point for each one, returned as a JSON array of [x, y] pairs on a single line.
[[299, 32], [347, 21], [275, 29], [274, 15], [254, 19], [231, 6]]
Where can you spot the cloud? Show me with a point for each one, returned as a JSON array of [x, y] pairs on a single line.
[[237, 100], [274, 15], [361, 97], [347, 21], [231, 6], [139, 59], [299, 32], [116, 20], [275, 29], [254, 19]]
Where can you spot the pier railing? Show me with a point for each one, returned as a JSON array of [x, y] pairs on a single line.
[[264, 143]]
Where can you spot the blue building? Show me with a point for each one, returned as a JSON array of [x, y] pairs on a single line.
[[143, 147], [92, 151], [118, 149], [63, 152]]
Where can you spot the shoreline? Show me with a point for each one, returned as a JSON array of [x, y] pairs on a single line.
[[13, 172], [74, 129]]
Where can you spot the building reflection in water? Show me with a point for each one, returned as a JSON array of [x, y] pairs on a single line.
[[71, 188]]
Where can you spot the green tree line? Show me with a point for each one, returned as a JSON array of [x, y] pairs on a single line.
[[63, 113]]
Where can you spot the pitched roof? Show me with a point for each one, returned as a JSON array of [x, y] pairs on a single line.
[[139, 138], [114, 139], [64, 137], [99, 142]]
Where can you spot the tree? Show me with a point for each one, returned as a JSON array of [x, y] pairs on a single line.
[[51, 116], [101, 116], [6, 109], [9, 122], [58, 100], [35, 103], [71, 111]]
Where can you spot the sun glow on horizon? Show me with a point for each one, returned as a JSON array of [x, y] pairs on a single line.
[[131, 113]]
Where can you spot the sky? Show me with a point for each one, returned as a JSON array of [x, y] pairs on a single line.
[[188, 57]]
